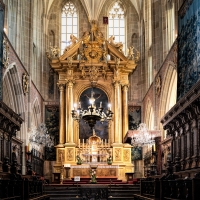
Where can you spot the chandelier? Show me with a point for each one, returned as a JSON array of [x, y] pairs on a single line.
[[142, 138], [93, 114]]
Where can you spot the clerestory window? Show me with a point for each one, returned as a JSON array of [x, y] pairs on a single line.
[[116, 24], [69, 24]]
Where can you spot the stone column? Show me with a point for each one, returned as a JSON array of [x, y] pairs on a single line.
[[62, 115], [124, 110], [117, 114], [69, 108]]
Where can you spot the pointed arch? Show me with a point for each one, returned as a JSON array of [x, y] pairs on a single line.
[[13, 95], [149, 115], [36, 113], [169, 90]]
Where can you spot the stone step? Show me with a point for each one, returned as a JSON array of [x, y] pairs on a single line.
[[62, 192]]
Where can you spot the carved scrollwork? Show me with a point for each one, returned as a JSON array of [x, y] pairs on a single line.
[[5, 53], [118, 154], [133, 54], [54, 52], [158, 85], [70, 154], [93, 52], [126, 155], [25, 83]]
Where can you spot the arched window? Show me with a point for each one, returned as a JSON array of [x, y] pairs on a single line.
[[170, 23], [116, 24], [69, 24]]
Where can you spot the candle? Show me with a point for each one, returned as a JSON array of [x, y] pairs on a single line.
[[79, 104], [79, 143], [29, 147], [100, 104], [154, 147]]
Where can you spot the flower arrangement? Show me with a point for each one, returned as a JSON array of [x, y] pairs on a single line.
[[93, 176], [79, 160], [109, 160]]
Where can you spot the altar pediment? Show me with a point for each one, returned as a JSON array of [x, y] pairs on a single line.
[[93, 50], [71, 52]]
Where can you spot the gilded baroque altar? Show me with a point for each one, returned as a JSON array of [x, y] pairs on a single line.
[[93, 61]]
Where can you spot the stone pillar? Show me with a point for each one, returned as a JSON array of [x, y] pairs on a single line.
[[62, 115], [124, 110], [69, 108], [117, 114]]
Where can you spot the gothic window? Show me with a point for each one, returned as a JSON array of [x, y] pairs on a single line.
[[170, 8], [116, 24], [69, 24]]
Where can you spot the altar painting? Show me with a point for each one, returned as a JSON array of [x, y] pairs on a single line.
[[101, 130]]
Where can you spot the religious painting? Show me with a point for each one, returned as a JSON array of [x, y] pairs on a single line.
[[105, 20], [52, 124], [136, 153], [188, 48], [134, 117], [101, 129], [1, 45]]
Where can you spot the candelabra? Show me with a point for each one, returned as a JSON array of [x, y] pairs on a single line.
[[142, 138], [93, 114]]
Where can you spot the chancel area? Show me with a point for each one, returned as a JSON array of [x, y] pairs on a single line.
[[99, 99]]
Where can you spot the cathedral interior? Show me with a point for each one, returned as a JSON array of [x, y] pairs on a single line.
[[96, 89]]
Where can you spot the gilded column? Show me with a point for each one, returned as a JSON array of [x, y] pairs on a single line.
[[117, 113], [61, 114], [69, 103], [124, 110]]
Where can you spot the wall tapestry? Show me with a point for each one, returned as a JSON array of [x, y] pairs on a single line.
[[136, 153], [188, 47], [100, 129], [52, 124], [134, 117], [1, 44]]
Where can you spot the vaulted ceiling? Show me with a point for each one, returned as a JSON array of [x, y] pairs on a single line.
[[93, 7]]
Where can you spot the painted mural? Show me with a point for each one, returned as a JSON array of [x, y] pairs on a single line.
[[1, 44], [136, 153], [188, 47], [52, 125], [100, 129], [134, 117]]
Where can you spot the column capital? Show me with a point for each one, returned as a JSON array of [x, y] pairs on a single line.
[[70, 82], [61, 86], [116, 82], [125, 86]]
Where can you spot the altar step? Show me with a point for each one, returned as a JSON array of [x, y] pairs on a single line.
[[86, 180], [111, 192]]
